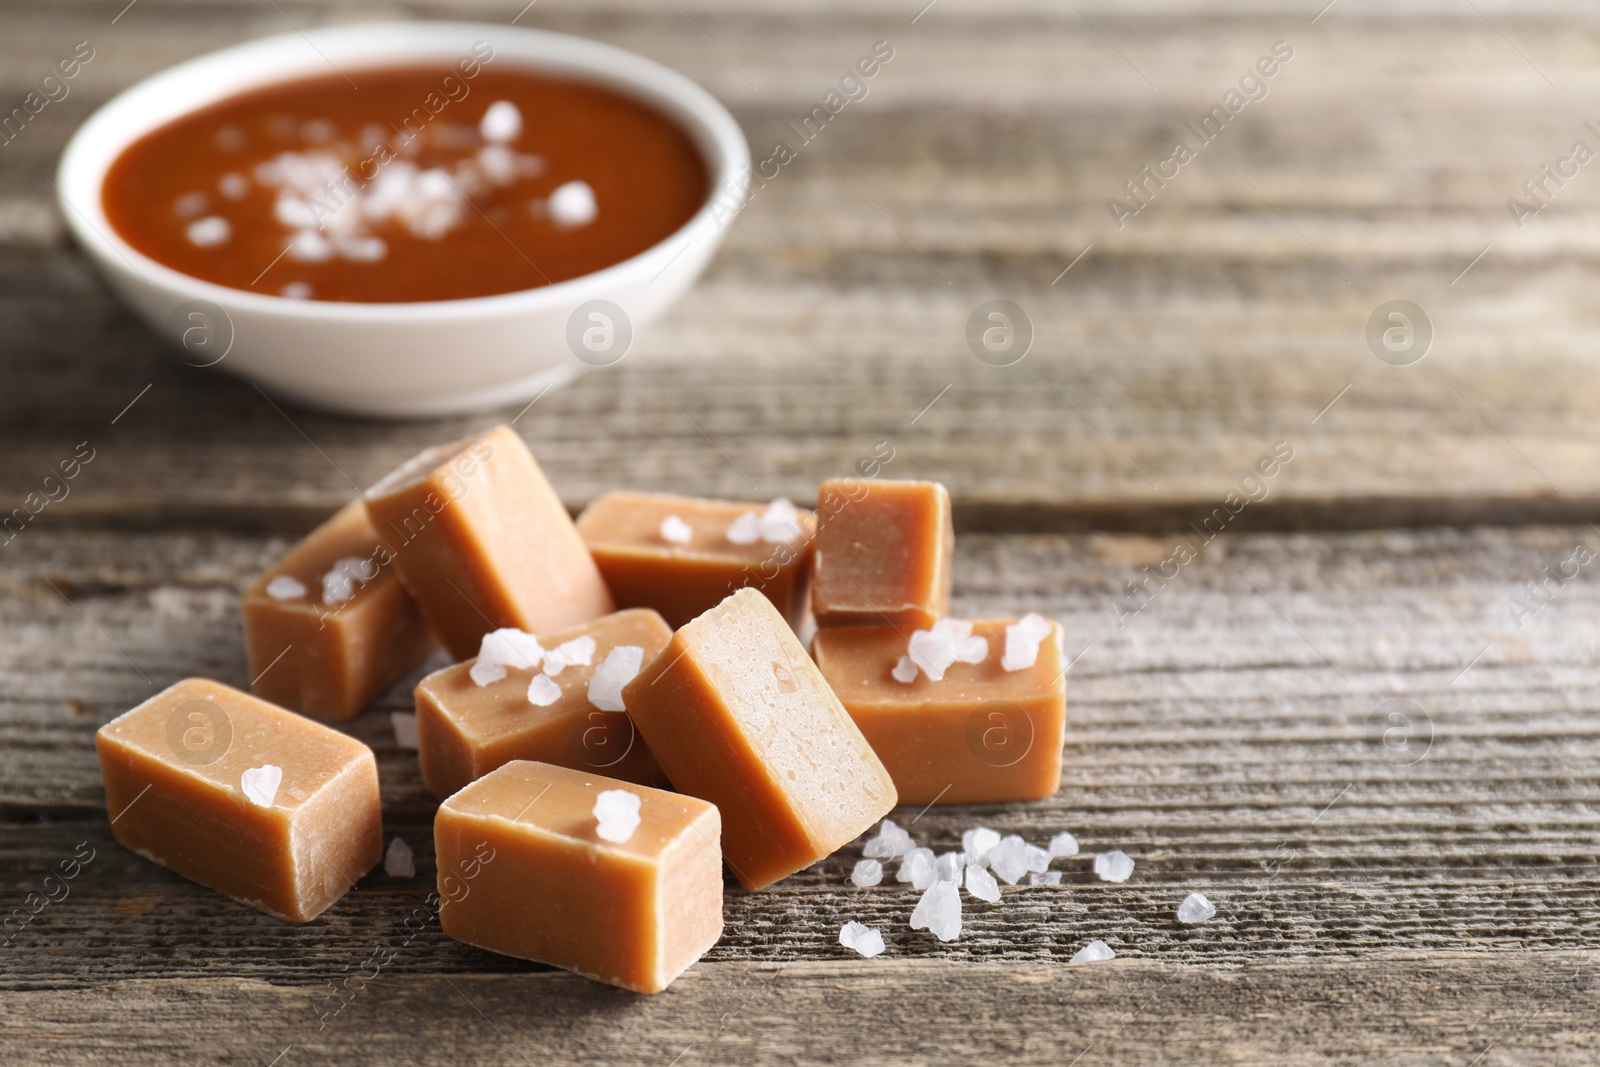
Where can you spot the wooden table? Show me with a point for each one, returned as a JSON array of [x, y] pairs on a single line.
[[1412, 889]]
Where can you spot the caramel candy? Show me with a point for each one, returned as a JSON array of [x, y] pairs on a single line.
[[483, 542], [329, 627], [465, 730], [554, 865], [278, 812], [737, 714], [682, 555], [981, 733], [883, 554]]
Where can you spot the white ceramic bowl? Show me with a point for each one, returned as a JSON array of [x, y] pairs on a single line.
[[430, 358]]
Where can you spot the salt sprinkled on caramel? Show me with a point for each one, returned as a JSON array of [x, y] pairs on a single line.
[[618, 669], [949, 641], [675, 531], [577, 652], [284, 587], [1022, 641], [616, 813], [543, 691], [260, 784]]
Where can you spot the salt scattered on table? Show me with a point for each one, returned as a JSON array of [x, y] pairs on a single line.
[[939, 911], [284, 587], [891, 842], [862, 939], [1044, 877], [616, 813], [867, 873], [917, 868], [617, 670], [260, 784], [543, 691], [1196, 909], [404, 724], [948, 867], [398, 862], [981, 884], [1063, 844], [502, 122], [675, 531], [978, 842], [1022, 641], [1093, 952], [1113, 866], [1013, 857]]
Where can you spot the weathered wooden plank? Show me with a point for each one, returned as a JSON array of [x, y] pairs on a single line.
[[1211, 740], [1414, 1008]]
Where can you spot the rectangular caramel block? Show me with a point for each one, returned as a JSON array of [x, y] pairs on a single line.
[[465, 730], [737, 714], [329, 627], [526, 869], [482, 542], [278, 812], [981, 734], [882, 556], [682, 555]]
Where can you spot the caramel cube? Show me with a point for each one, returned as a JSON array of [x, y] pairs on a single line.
[[278, 812], [482, 541], [682, 555], [465, 730], [329, 627], [737, 714], [883, 554], [980, 734], [538, 862]]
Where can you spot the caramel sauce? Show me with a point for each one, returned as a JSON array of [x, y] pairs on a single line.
[[423, 184]]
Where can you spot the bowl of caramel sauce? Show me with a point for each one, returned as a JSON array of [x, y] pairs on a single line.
[[405, 219]]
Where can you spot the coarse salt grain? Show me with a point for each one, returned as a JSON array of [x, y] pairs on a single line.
[[339, 584], [948, 867], [675, 531], [579, 652], [939, 911], [890, 843], [284, 587], [905, 670], [404, 724], [309, 246], [571, 204], [981, 884], [618, 669], [483, 674], [1063, 844], [234, 186], [917, 868], [863, 939], [502, 122], [189, 205], [260, 784], [745, 530], [499, 163], [1009, 859], [1022, 642], [398, 861], [1195, 909], [1093, 952], [978, 842], [780, 522], [543, 691], [947, 642], [866, 873], [1113, 866], [1044, 877], [209, 232], [510, 647], [616, 813]]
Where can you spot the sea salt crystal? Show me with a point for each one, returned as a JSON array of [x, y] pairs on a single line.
[[780, 522], [939, 911], [618, 669], [948, 867], [579, 652], [209, 232], [294, 213], [398, 862], [283, 587], [260, 784], [1094, 952], [483, 674], [1044, 877], [1035, 858], [917, 868], [1113, 866], [309, 246], [339, 584], [571, 204], [499, 163], [1196, 909], [1010, 859], [189, 205], [745, 530], [510, 647], [977, 843], [862, 939], [981, 884], [867, 873], [1063, 844], [1022, 641], [233, 186], [905, 670], [542, 691], [502, 122], [947, 641], [675, 531], [362, 249], [616, 813], [890, 843], [405, 728]]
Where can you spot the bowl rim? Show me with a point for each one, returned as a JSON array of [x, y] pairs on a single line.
[[267, 61]]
